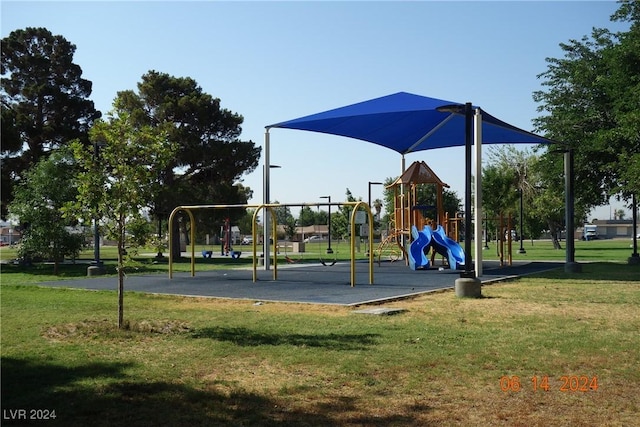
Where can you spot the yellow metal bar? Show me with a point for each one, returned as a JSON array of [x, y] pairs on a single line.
[[254, 239], [173, 212], [370, 219], [356, 206], [352, 226], [275, 243], [192, 234], [270, 206], [192, 222]]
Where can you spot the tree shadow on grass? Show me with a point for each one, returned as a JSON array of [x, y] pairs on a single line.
[[246, 337], [104, 394]]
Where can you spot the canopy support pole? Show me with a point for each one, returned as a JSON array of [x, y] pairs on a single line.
[[403, 220], [468, 285], [265, 200], [477, 217]]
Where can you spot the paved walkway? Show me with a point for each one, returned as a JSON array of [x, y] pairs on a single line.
[[307, 283]]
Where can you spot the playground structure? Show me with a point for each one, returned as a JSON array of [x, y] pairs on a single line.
[[270, 208], [504, 224], [439, 242], [409, 216]]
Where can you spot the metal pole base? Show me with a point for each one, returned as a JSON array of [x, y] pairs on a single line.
[[572, 267], [468, 287], [95, 270], [329, 250], [522, 251], [634, 259]]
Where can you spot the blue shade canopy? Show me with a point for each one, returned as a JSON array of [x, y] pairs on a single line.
[[405, 123]]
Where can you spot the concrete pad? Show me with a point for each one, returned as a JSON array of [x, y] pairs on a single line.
[[305, 283], [379, 311]]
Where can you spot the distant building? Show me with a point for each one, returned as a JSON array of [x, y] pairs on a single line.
[[614, 228], [9, 236], [302, 233]]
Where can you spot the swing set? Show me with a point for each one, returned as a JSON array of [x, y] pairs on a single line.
[[270, 208]]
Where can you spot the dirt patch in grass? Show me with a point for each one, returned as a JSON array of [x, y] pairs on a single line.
[[105, 328]]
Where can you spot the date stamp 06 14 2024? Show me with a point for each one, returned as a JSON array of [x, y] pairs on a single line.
[[564, 383]]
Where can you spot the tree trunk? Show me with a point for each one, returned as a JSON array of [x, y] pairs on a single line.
[[120, 291], [121, 250], [554, 235]]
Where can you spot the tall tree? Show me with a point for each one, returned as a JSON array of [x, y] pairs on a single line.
[[210, 158], [39, 199], [284, 218], [511, 171], [341, 217], [45, 101], [117, 186], [591, 103], [306, 217]]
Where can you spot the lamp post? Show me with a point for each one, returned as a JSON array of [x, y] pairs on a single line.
[[521, 250], [266, 196], [370, 184], [486, 231], [329, 250], [570, 266], [96, 267], [371, 207], [96, 232], [635, 257]]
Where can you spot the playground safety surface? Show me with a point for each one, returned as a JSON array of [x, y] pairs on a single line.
[[309, 283]]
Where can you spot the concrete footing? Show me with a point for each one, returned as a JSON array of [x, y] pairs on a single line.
[[572, 267], [94, 270], [468, 287]]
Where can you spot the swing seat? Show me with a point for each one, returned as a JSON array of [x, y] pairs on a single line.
[[328, 265], [235, 254]]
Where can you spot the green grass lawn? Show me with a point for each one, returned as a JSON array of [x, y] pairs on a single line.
[[617, 250], [444, 361]]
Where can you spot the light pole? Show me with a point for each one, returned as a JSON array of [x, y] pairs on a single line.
[[266, 200], [370, 184], [329, 250], [96, 231], [635, 257], [486, 231], [371, 207], [521, 250]]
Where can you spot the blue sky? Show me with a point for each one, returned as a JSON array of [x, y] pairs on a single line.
[[275, 61]]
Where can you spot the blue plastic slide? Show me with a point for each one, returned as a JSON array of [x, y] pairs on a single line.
[[448, 248], [421, 239]]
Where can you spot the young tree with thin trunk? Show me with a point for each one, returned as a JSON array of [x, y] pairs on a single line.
[[119, 183]]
